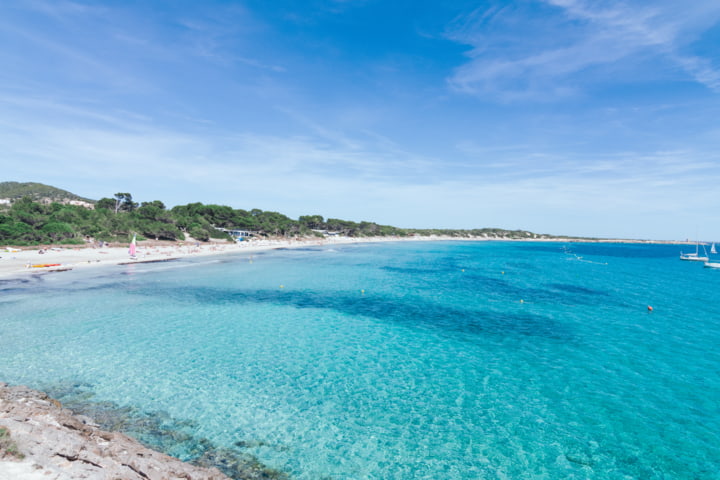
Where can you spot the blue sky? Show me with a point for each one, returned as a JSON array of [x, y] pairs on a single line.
[[577, 117]]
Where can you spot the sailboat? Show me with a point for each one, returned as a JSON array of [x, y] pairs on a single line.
[[131, 250], [712, 264], [695, 257]]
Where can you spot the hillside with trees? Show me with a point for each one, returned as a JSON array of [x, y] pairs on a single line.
[[38, 192], [25, 221]]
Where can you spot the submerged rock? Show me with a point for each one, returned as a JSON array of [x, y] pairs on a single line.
[[62, 445]]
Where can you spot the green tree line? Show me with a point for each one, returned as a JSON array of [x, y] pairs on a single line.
[[27, 222]]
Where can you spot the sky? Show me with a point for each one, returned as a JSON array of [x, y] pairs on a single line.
[[567, 117]]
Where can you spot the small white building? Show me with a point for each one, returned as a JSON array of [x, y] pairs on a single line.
[[238, 235]]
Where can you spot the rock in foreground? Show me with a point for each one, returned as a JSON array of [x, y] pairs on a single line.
[[60, 445]]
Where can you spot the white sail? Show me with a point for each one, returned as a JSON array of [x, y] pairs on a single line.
[[712, 249]]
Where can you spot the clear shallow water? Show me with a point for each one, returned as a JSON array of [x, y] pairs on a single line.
[[402, 360]]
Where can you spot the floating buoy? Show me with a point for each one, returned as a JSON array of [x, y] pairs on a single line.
[[282, 286], [463, 269], [650, 309], [362, 291], [503, 272], [522, 301]]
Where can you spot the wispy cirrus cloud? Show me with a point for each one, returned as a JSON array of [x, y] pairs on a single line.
[[518, 54], [220, 35], [128, 148]]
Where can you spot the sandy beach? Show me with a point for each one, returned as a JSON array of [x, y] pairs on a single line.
[[16, 262]]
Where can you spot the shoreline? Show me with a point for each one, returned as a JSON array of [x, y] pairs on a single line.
[[19, 263], [16, 263]]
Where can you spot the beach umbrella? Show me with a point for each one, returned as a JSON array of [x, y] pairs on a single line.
[[131, 251]]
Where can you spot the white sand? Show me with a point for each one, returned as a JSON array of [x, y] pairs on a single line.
[[15, 264]]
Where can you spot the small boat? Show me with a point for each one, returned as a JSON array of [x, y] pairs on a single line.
[[43, 265], [712, 249], [712, 265], [695, 257]]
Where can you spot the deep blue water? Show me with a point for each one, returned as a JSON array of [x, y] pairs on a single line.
[[411, 360]]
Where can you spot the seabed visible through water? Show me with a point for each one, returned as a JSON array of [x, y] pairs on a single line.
[[453, 360]]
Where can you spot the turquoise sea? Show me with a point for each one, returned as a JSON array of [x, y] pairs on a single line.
[[407, 360]]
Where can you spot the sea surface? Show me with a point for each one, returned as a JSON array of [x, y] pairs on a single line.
[[406, 360]]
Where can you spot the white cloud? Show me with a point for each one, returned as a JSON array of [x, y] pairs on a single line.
[[517, 55]]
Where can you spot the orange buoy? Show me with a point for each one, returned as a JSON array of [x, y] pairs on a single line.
[[650, 309]]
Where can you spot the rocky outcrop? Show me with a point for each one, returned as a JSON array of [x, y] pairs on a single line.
[[60, 445]]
